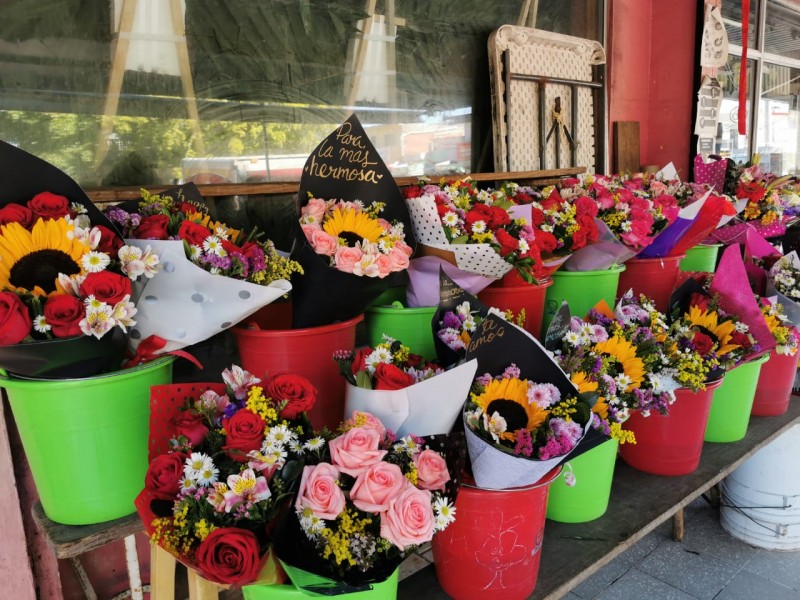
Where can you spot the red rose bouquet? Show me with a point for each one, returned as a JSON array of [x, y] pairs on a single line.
[[403, 390], [225, 463], [365, 505], [64, 276], [212, 276], [477, 230]]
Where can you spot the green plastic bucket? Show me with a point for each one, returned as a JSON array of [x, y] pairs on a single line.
[[385, 590], [412, 326], [701, 258], [582, 290], [733, 402], [86, 439], [391, 295], [587, 499]]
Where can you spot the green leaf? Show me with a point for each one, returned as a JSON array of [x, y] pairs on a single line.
[[462, 239], [363, 380]]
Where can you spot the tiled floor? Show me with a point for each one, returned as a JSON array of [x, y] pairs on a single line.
[[708, 564]]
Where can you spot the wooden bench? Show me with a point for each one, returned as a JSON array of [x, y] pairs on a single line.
[[70, 541], [639, 503]]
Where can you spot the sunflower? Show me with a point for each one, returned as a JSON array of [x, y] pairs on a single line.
[[509, 398], [584, 384], [30, 261], [624, 355], [352, 226], [708, 323]]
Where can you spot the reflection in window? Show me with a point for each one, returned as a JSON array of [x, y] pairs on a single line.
[[729, 143], [778, 133], [270, 78], [732, 15]]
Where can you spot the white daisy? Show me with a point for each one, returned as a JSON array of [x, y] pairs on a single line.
[[316, 443], [444, 512], [40, 324], [94, 262]]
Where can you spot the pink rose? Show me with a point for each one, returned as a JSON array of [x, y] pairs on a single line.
[[347, 258], [398, 259], [605, 201], [404, 247], [409, 520], [375, 487], [314, 210], [323, 243], [432, 471], [309, 230], [319, 490], [384, 264], [354, 451]]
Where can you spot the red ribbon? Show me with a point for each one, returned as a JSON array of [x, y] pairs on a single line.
[[148, 350], [742, 116]]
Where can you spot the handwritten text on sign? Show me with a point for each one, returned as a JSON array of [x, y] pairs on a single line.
[[489, 331], [348, 159]]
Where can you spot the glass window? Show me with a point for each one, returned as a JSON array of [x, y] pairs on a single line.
[[729, 143], [255, 85], [778, 133], [782, 28], [732, 15]]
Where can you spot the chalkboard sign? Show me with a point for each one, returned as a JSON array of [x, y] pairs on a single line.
[[558, 327]]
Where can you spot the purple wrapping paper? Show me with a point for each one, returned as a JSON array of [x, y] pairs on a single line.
[[735, 296], [600, 255], [666, 240], [423, 276]]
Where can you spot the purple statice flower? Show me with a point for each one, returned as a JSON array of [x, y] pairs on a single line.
[[231, 409], [600, 424], [598, 365], [483, 379], [609, 384], [551, 449], [212, 260], [256, 258], [524, 445], [241, 259]]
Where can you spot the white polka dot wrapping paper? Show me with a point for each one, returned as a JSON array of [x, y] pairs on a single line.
[[184, 304], [471, 258]]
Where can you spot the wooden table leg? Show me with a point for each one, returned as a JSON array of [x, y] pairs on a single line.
[[677, 526], [162, 574], [201, 589]]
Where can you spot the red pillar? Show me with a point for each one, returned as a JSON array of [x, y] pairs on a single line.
[[651, 69]]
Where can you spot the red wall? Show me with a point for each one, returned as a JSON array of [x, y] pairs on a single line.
[[651, 68]]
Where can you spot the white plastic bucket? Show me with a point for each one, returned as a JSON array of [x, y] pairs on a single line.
[[761, 499]]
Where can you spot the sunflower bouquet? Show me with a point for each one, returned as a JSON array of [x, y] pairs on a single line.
[[406, 392], [783, 330], [225, 464], [212, 276], [477, 230], [364, 505], [783, 281], [63, 276]]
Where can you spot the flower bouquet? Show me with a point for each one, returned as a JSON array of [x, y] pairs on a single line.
[[479, 231], [66, 276], [362, 507], [353, 230], [211, 276], [784, 282], [787, 337], [524, 416], [403, 390], [225, 464]]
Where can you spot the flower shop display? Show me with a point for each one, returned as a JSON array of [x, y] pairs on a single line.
[[353, 229], [759, 257], [777, 376], [784, 282], [404, 390], [367, 502], [225, 466], [85, 439], [211, 276], [523, 415]]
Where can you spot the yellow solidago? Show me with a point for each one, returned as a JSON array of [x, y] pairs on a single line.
[[624, 436], [337, 543], [565, 409], [202, 529], [482, 238], [257, 403], [412, 474]]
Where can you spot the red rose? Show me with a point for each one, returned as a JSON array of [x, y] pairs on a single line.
[[442, 210], [586, 206], [480, 212], [413, 191], [164, 474], [153, 227], [741, 339], [64, 313], [230, 247], [106, 286], [523, 198], [298, 392], [390, 377], [699, 300], [110, 242], [537, 217], [588, 227], [498, 217], [546, 241], [552, 201], [49, 206], [187, 208], [360, 359], [15, 322], [193, 233], [230, 555], [16, 213], [702, 343], [189, 425], [245, 432], [508, 243]]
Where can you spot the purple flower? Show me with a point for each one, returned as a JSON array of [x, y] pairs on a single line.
[[451, 320]]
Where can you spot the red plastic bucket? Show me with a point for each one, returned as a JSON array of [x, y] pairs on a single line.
[[266, 349], [493, 548], [670, 444], [529, 297], [654, 277], [774, 388]]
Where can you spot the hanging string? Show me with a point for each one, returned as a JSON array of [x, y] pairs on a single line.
[[742, 115]]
